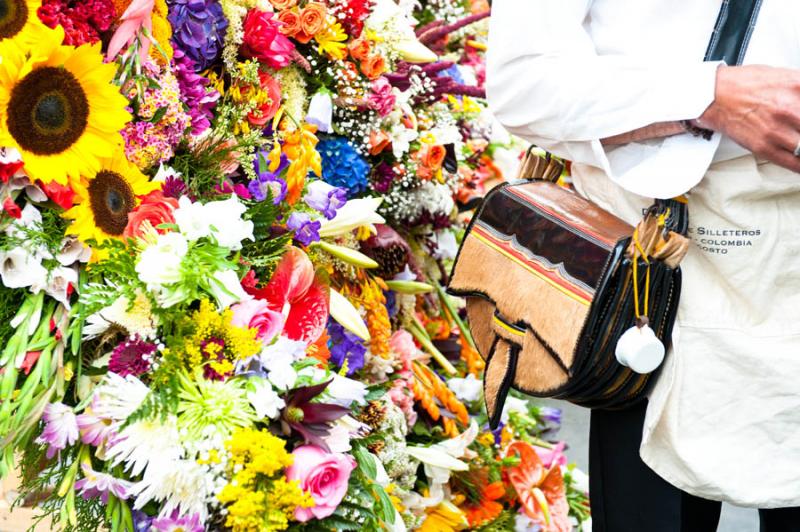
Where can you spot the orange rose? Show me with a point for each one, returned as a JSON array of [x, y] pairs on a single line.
[[291, 22], [373, 66], [312, 20], [434, 157], [283, 4], [359, 49], [378, 141]]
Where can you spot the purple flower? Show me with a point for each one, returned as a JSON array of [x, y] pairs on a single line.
[[131, 357], [178, 523], [268, 181], [345, 345], [96, 484], [94, 430], [200, 99], [305, 229], [141, 521], [383, 177], [174, 187], [550, 414], [60, 428], [198, 29], [325, 198]]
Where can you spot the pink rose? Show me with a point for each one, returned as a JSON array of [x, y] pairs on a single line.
[[382, 96], [255, 313], [264, 41], [322, 474]]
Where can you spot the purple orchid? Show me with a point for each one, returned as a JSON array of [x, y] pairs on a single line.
[[97, 484], [310, 420], [178, 523], [325, 198], [305, 229]]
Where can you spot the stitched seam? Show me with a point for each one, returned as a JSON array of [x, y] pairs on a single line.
[[750, 29]]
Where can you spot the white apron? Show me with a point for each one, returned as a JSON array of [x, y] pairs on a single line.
[[723, 421]]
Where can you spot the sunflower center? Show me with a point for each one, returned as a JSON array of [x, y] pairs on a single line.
[[111, 199], [13, 16], [48, 110]]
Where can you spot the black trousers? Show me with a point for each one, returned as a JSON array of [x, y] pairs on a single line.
[[627, 496]]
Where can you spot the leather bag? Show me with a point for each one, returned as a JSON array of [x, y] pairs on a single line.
[[552, 281]]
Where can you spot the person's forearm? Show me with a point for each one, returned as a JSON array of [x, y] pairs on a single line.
[[653, 131]]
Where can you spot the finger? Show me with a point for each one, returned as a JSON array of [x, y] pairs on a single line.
[[785, 139], [785, 158]]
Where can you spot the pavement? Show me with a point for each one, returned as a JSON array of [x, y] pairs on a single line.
[[575, 431]]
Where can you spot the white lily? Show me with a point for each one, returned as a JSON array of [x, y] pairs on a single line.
[[347, 316], [413, 51], [352, 215]]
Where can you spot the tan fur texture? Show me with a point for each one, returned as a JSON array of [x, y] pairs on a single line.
[[496, 370], [521, 296]]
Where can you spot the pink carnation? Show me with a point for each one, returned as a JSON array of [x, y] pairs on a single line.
[[402, 343], [322, 474], [382, 97], [399, 394]]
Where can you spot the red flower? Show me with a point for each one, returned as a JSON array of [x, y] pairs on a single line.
[[264, 41], [61, 195], [83, 20], [155, 209], [12, 208], [8, 170], [541, 491], [264, 113], [299, 295]]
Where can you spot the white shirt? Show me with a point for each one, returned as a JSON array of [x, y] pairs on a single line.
[[723, 421]]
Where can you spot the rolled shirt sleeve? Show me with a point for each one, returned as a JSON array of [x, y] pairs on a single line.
[[547, 84]]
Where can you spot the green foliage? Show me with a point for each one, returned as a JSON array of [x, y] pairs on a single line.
[[107, 280], [48, 233], [10, 301], [263, 255], [161, 402], [503, 523]]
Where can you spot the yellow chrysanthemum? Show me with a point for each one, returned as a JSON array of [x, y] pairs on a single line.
[[19, 22], [104, 199], [59, 107], [331, 40]]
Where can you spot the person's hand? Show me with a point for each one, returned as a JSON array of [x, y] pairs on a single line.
[[759, 108]]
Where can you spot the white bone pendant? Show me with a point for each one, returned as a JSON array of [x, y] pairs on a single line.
[[640, 349]]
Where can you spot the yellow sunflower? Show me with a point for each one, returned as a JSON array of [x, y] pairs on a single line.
[[59, 107], [103, 200], [19, 21]]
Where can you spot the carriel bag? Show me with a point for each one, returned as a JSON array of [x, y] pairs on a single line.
[[559, 292]]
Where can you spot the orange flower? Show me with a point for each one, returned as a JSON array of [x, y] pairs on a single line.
[[359, 49], [487, 509], [283, 4], [299, 146], [433, 157], [291, 22], [373, 66], [378, 141], [312, 20]]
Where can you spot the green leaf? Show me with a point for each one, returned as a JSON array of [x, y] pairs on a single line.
[[366, 461]]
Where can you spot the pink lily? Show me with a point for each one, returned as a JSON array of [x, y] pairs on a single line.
[[137, 16]]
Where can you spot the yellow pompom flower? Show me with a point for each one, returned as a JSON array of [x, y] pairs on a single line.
[[104, 199], [19, 22], [59, 107]]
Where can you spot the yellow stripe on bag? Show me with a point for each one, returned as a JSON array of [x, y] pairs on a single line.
[[508, 327], [540, 275]]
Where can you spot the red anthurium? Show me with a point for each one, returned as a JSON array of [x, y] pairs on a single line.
[[297, 293], [540, 490]]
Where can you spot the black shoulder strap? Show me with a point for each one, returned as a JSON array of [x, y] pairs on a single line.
[[732, 31]]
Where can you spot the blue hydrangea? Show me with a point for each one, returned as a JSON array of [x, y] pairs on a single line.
[[343, 166]]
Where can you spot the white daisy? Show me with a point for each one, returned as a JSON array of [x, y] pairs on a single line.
[[143, 442]]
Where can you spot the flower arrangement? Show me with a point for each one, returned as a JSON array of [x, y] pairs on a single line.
[[224, 232]]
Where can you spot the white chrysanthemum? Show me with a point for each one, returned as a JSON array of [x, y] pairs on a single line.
[[136, 319], [117, 397], [143, 442], [176, 484], [264, 398]]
